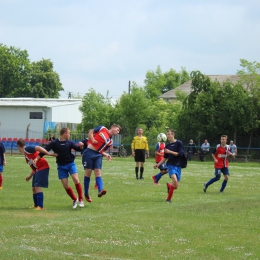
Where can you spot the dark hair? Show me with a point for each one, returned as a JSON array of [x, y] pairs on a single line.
[[21, 143], [115, 125], [64, 130], [170, 130]]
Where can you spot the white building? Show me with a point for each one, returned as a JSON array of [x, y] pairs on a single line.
[[33, 117]]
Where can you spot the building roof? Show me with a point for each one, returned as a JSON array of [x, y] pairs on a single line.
[[186, 87], [37, 102]]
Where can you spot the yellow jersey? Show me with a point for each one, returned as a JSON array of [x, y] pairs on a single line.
[[140, 142]]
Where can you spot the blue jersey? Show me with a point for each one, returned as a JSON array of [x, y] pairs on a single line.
[[176, 146], [2, 151], [63, 149]]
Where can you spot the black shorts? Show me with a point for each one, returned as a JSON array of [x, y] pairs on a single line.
[[140, 155]]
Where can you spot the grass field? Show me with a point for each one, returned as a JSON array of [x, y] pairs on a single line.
[[133, 221]]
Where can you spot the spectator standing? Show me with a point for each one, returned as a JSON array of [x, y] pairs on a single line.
[[191, 149], [233, 147], [140, 149], [204, 150], [51, 138]]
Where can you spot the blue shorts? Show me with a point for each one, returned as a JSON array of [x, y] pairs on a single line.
[[174, 170], [1, 168], [65, 170], [41, 178], [224, 170], [163, 166], [91, 159]]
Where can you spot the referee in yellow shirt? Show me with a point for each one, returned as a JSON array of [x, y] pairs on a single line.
[[139, 149]]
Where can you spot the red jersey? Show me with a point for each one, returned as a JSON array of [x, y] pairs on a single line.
[[221, 154], [160, 149], [30, 154], [103, 138]]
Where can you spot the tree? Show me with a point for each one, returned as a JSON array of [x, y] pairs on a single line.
[[96, 110], [14, 71], [133, 108], [157, 83], [250, 77], [45, 83], [20, 78], [212, 107]]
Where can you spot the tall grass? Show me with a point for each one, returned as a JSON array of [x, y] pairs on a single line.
[[133, 221]]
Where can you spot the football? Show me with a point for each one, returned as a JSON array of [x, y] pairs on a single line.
[[161, 137]]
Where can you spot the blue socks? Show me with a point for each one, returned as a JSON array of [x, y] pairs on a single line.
[[35, 200], [99, 183], [40, 199], [224, 183], [86, 184], [158, 176]]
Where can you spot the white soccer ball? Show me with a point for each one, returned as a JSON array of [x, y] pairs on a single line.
[[161, 137]]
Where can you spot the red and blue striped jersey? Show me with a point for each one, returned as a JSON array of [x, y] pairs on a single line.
[[103, 137], [30, 154], [221, 154]]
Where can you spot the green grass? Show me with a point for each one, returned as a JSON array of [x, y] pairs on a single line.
[[133, 221]]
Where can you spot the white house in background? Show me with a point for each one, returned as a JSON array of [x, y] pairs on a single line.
[[170, 96], [33, 116]]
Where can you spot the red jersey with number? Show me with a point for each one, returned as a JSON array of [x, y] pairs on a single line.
[[221, 154]]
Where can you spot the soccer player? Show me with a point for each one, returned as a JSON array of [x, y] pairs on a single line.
[[66, 165], [220, 156], [99, 140], [2, 164], [159, 155], [139, 147], [39, 173], [174, 154], [84, 147]]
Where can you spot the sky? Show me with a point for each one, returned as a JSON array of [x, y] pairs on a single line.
[[104, 44]]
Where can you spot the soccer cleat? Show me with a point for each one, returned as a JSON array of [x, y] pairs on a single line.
[[88, 198], [154, 180], [38, 208], [102, 193], [137, 178], [169, 201], [75, 204], [33, 207], [81, 204], [205, 187], [142, 178], [1, 188]]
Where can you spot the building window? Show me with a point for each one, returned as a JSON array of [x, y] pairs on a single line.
[[35, 115]]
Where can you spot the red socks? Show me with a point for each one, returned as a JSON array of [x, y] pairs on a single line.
[[71, 193], [1, 180], [79, 190], [171, 190]]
